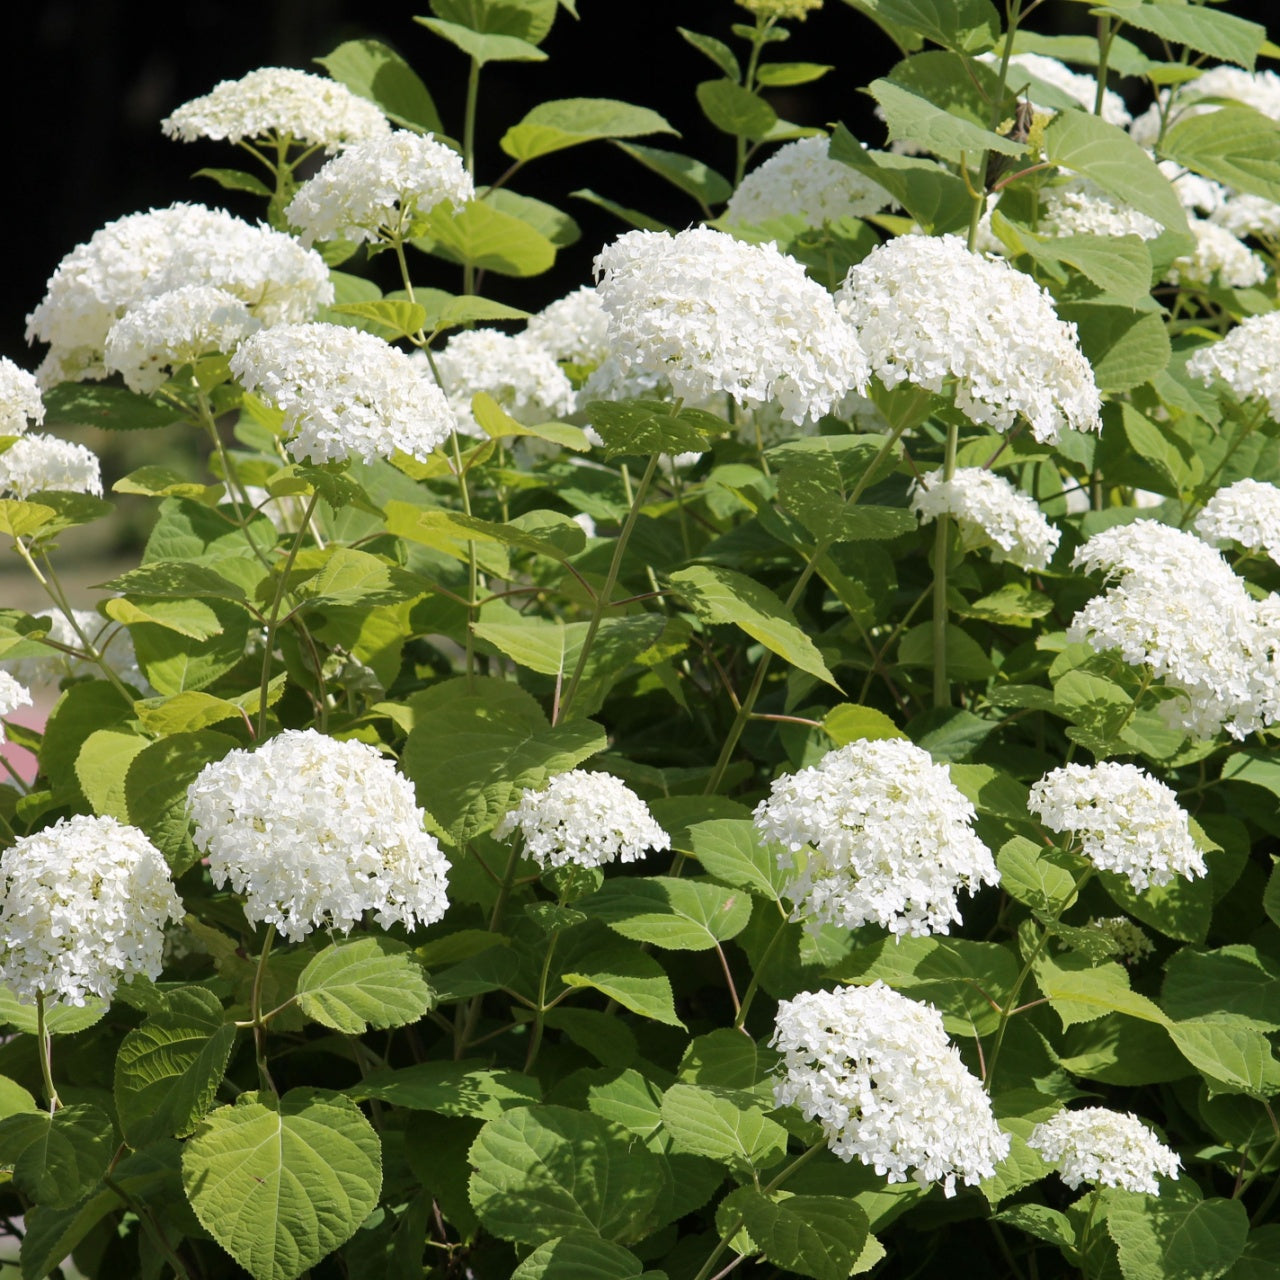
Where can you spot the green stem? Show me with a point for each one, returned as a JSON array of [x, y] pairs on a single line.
[[1106, 33], [754, 985], [941, 553], [763, 27], [469, 152], [45, 1043], [255, 1012], [993, 123], [539, 1017], [1086, 1230], [473, 567], [601, 602], [1247, 426]]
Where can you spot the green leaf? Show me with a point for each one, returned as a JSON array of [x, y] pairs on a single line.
[[730, 849], [467, 1088], [633, 217], [579, 1256], [54, 1160], [676, 915], [97, 404], [847, 722], [474, 749], [693, 177], [1081, 992], [236, 180], [280, 1184], [1176, 1237], [569, 122], [481, 47], [176, 579], [1105, 154], [168, 1070], [638, 427], [163, 482], [1271, 896], [390, 318], [366, 982], [780, 75], [735, 110], [968, 26], [719, 595], [1125, 347], [818, 1236], [819, 485], [1030, 875], [19, 519], [545, 1172], [350, 577], [1220, 35], [14, 1098], [1234, 979], [374, 71], [60, 1019], [717, 51], [553, 648], [1234, 145], [481, 236], [1231, 1052], [174, 662], [629, 976], [912, 117], [529, 19], [725, 1060], [704, 1123], [471, 310], [101, 766]]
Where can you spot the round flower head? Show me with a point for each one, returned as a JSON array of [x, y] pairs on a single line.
[[519, 374], [930, 312], [1247, 360], [1208, 639], [38, 463], [583, 818], [344, 393], [1259, 90], [316, 832], [574, 328], [157, 337], [147, 254], [83, 905], [1108, 1148], [111, 639], [1244, 214], [889, 834], [712, 314], [12, 696], [1126, 821], [1080, 207], [279, 102], [801, 179], [877, 1072], [1195, 193], [1218, 256], [19, 399], [379, 188], [988, 505], [1247, 512]]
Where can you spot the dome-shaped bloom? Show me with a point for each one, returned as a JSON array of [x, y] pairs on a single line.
[[1195, 193], [1080, 207], [574, 328], [988, 505], [19, 399], [83, 905], [520, 375], [147, 254], [1259, 90], [343, 393], [877, 1072], [316, 832], [801, 179], [1244, 214], [1218, 257], [35, 463], [12, 696], [379, 188], [1107, 1148], [1247, 512], [279, 102], [1208, 638], [1126, 821], [889, 836], [583, 818], [157, 337], [1058, 75], [928, 311], [712, 314], [111, 639], [1247, 360]]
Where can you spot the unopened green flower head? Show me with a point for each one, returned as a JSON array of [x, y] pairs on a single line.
[[797, 9]]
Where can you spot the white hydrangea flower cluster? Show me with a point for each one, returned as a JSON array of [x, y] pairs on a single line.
[[1208, 638], [889, 838], [37, 463], [20, 399], [1126, 821], [712, 314], [316, 832], [1247, 512], [1247, 360], [1080, 207], [344, 393], [1131, 942], [147, 254], [1108, 1148], [574, 328], [1195, 193], [1244, 214], [379, 188], [1259, 90], [157, 337], [877, 1072], [802, 179], [518, 373], [989, 505], [111, 639], [1082, 88], [309, 110], [83, 906], [1219, 255], [928, 311], [584, 818], [13, 695]]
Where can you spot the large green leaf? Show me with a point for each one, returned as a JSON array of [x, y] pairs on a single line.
[[677, 915], [913, 117], [174, 662], [109, 408], [1119, 265], [168, 1070], [1126, 347], [704, 1123], [579, 1256], [467, 1088], [719, 595], [1221, 35], [692, 176], [1233, 979], [728, 1062], [376, 72], [60, 1019], [968, 26], [489, 239], [818, 1236], [638, 427], [553, 648], [527, 19], [1231, 1052], [544, 1172], [818, 483], [1176, 1235], [1081, 992], [1029, 874], [629, 976], [484, 47], [567, 122], [735, 110], [365, 982], [55, 1159], [281, 1183], [731, 850], [1234, 145]]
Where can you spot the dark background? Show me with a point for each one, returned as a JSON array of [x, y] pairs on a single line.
[[87, 82]]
